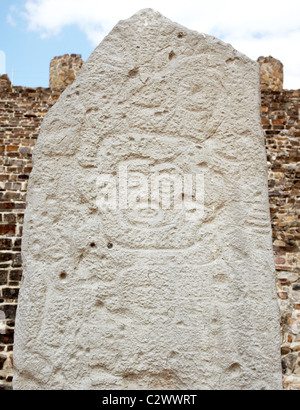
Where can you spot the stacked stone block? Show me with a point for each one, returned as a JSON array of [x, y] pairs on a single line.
[[21, 113], [281, 123], [271, 74], [63, 70]]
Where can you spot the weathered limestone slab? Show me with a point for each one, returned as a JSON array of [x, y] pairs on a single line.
[[160, 297]]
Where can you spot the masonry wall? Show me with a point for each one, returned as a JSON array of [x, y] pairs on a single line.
[[281, 123], [21, 113]]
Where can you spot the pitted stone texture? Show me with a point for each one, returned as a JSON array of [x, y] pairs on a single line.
[[120, 300], [271, 74]]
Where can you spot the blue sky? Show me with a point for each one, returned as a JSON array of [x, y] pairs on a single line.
[[27, 53], [32, 32]]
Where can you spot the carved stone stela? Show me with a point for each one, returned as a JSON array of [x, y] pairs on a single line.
[[135, 293]]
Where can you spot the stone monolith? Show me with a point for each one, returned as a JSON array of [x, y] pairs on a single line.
[[147, 243]]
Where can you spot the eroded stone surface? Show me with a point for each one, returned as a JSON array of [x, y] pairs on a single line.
[[129, 300]]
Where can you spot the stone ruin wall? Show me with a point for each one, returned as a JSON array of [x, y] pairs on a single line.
[[271, 70], [281, 124], [63, 70], [21, 113]]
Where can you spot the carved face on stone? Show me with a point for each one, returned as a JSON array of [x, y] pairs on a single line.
[[157, 188]]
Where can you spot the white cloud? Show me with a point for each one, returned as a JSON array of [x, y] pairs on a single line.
[[2, 62], [254, 27]]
